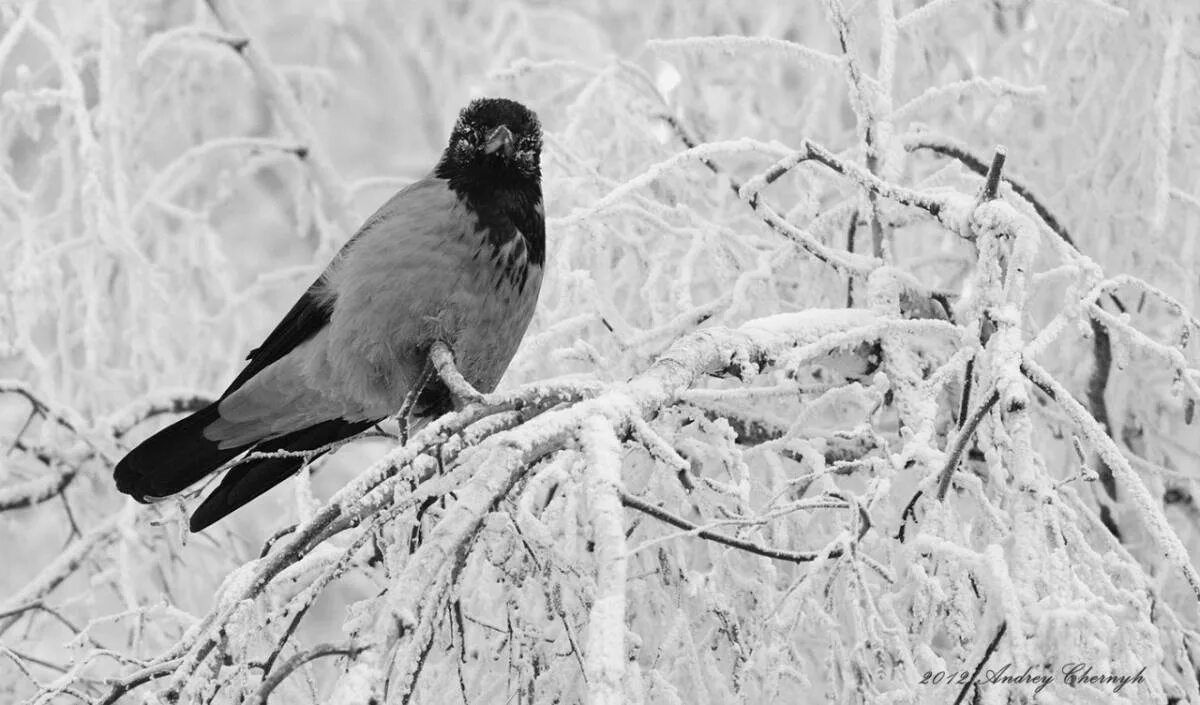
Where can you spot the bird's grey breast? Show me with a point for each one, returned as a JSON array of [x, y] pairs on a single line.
[[439, 267], [505, 280]]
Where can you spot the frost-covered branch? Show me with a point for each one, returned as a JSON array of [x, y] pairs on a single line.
[[948, 147], [285, 105], [295, 662], [1146, 505], [605, 650]]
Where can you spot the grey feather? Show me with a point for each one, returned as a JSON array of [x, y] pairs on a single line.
[[421, 269]]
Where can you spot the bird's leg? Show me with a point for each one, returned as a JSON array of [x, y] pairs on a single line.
[[460, 389], [410, 399]]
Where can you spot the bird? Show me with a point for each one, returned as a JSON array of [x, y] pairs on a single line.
[[455, 257]]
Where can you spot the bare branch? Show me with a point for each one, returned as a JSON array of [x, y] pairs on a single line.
[[272, 681], [960, 443], [992, 181], [778, 554], [991, 647]]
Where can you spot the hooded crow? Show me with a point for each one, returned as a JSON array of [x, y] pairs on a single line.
[[456, 257]]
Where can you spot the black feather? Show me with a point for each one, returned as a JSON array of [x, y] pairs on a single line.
[[172, 459], [179, 455], [305, 319], [505, 192], [247, 481]]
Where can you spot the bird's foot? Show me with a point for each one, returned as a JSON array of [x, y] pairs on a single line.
[[443, 361], [410, 400]]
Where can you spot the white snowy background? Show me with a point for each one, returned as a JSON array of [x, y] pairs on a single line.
[[808, 411]]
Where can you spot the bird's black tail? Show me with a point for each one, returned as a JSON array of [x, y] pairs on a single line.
[[248, 480], [173, 459]]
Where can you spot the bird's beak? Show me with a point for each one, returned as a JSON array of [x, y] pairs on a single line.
[[499, 139]]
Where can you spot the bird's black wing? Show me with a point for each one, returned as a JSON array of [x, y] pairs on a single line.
[[179, 455], [311, 313], [248, 480], [308, 316]]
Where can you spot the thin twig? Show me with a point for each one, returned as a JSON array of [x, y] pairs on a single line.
[[960, 443], [863, 102], [36, 491], [948, 148], [850, 263], [851, 232], [410, 399], [1097, 384], [287, 108], [1149, 506], [287, 634], [185, 404], [138, 678], [298, 660], [968, 382], [979, 666], [992, 183], [61, 568], [779, 554], [910, 510]]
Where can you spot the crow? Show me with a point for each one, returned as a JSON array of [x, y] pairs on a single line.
[[455, 257]]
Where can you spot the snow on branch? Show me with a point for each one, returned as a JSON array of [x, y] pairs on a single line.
[[491, 469], [284, 103], [735, 44], [1146, 506], [605, 649]]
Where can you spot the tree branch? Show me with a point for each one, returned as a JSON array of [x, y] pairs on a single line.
[[296, 661], [778, 554]]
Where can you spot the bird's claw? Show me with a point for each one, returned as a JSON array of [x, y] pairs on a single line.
[[461, 390]]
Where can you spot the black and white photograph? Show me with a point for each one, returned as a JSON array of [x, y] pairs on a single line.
[[599, 352]]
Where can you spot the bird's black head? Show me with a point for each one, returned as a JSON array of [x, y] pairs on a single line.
[[496, 144]]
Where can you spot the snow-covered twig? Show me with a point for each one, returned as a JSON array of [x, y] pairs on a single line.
[[948, 147], [1147, 507], [62, 567], [26, 494], [142, 410], [283, 101], [805, 56], [975, 86]]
